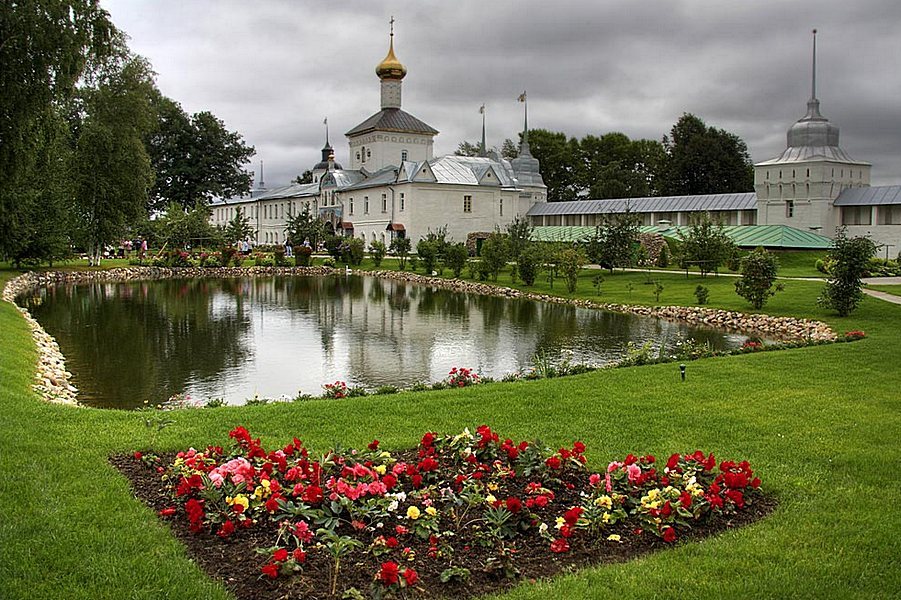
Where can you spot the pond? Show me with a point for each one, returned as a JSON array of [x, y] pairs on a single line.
[[127, 343]]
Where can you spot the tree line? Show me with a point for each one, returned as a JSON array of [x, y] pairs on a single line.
[[89, 147], [693, 158]]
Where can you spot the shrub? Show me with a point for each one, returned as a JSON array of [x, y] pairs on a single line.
[[427, 251], [530, 261], [455, 257], [850, 258], [702, 294], [663, 258], [706, 245], [400, 247], [758, 278], [213, 261], [377, 251], [263, 260], [278, 257], [495, 253], [352, 251], [303, 256], [571, 262]]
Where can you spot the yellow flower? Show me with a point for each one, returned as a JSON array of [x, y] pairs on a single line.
[[614, 538], [431, 511], [607, 516], [490, 499], [560, 522], [413, 513], [239, 499], [380, 469], [492, 486], [605, 502]]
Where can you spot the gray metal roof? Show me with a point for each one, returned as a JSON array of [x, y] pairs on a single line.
[[870, 196], [468, 170], [342, 179], [808, 153], [392, 119], [707, 202], [386, 176]]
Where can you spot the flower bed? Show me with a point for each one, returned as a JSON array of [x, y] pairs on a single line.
[[459, 515]]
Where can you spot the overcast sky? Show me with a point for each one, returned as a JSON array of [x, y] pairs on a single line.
[[273, 70]]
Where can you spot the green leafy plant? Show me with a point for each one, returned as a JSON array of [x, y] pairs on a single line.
[[849, 258], [702, 294], [758, 278]]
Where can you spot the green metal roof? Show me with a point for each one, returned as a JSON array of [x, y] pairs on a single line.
[[767, 236]]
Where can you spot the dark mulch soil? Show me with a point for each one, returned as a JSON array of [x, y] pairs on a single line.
[[235, 563]]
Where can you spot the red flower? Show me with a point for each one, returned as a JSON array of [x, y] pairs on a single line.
[[299, 555], [673, 461], [167, 512], [401, 530], [553, 462], [280, 555], [559, 546], [388, 574], [411, 576], [391, 542], [373, 445], [514, 505], [572, 515], [685, 499], [138, 456], [270, 570], [579, 448], [226, 530], [669, 535], [389, 480], [428, 439]]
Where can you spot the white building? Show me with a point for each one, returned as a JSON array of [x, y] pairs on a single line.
[[395, 186], [814, 186]]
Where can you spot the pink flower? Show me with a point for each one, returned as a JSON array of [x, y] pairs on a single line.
[[634, 472], [594, 480]]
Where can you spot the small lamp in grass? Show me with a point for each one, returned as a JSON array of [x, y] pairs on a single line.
[[682, 371]]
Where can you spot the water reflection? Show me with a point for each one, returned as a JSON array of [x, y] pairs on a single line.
[[236, 338]]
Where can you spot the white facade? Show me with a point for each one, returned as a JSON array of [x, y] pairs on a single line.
[[394, 186]]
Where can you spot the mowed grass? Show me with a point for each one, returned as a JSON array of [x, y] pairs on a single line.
[[888, 289], [820, 425]]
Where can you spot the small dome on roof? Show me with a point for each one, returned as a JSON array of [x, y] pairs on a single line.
[[813, 129], [390, 67]]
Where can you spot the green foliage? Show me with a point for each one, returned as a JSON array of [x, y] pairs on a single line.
[[705, 245], [702, 294], [658, 289], [238, 228], [455, 257], [177, 228], [570, 262], [195, 157], [704, 160], [613, 242], [663, 258], [400, 247], [758, 277], [46, 47], [427, 251], [495, 254], [305, 227], [849, 258], [519, 232], [597, 281], [302, 256], [377, 251], [110, 168], [353, 251], [530, 262]]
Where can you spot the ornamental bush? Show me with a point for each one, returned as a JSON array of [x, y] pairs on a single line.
[[758, 278], [529, 263], [455, 257], [377, 251], [849, 259]]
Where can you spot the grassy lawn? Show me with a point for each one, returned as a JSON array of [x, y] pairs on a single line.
[[888, 289], [819, 424]]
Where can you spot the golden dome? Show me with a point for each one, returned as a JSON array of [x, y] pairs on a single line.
[[390, 67]]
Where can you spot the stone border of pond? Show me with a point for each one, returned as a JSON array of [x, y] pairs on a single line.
[[53, 381]]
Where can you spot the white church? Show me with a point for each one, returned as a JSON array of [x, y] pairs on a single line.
[[394, 186]]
